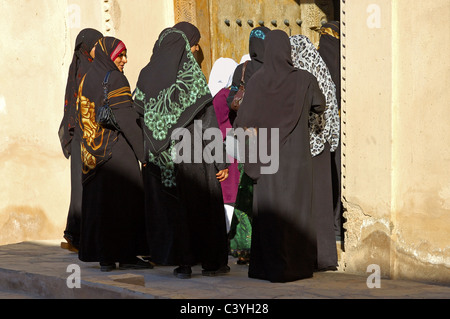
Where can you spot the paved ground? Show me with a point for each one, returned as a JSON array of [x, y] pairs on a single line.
[[43, 270]]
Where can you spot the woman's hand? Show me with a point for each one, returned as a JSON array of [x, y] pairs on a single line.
[[222, 175]]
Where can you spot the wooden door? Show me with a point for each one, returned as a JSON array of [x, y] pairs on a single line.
[[225, 25]]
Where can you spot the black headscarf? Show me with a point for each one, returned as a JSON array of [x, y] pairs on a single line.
[[256, 51], [256, 43], [329, 50], [192, 33], [275, 95], [97, 142], [81, 62], [171, 88]]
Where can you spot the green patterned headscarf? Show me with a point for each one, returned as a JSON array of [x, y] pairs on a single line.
[[170, 91]]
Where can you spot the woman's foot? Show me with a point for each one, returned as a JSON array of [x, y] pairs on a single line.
[[222, 270], [107, 266], [138, 263], [183, 272], [243, 261], [69, 245]]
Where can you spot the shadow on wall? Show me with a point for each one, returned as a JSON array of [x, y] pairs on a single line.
[[330, 8], [22, 223]]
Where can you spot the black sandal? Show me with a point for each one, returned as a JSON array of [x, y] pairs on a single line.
[[105, 266], [183, 272], [137, 264], [222, 270]]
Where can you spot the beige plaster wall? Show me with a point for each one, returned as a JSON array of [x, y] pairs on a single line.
[[37, 45], [421, 131], [34, 184], [396, 163], [138, 24], [367, 137]]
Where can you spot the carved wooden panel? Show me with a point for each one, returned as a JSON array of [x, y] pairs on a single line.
[[185, 10]]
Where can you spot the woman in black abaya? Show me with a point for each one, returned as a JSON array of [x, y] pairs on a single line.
[[324, 142], [70, 132], [241, 225], [256, 53], [279, 96], [113, 221], [184, 204], [329, 50]]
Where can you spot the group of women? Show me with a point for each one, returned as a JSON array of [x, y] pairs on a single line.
[[133, 204]]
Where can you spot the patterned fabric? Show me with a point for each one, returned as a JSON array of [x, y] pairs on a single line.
[[163, 112], [241, 224], [330, 32], [164, 161], [326, 128], [81, 62], [96, 138], [97, 142], [256, 33], [173, 106]]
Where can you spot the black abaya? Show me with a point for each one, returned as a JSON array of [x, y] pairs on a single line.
[[323, 211], [329, 50], [184, 204], [70, 132], [306, 57], [113, 221], [113, 224], [200, 193], [283, 230], [186, 223], [73, 225], [164, 218]]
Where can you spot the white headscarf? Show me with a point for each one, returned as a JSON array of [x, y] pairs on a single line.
[[245, 57], [221, 74]]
